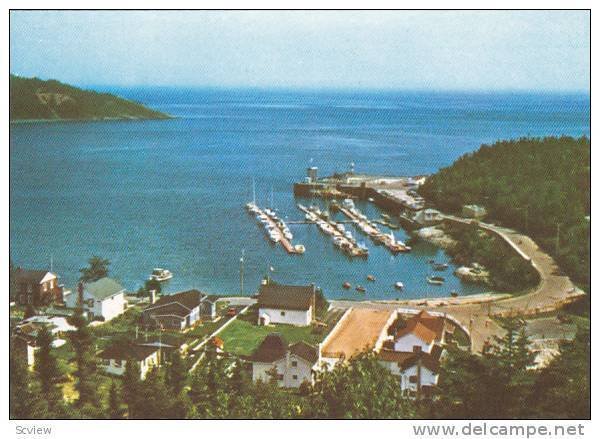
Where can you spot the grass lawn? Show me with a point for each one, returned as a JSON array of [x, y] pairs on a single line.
[[243, 335]]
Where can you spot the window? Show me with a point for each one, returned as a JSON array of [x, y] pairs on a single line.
[[412, 379], [282, 313], [295, 377], [280, 376], [294, 363]]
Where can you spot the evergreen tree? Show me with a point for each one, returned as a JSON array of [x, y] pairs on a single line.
[[115, 411], [176, 373], [26, 401], [155, 399], [86, 383], [46, 369], [562, 389], [97, 269], [359, 389], [132, 385]]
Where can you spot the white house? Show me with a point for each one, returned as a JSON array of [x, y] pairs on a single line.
[[180, 310], [115, 358], [288, 304], [414, 352], [428, 217], [418, 371], [103, 298], [423, 331], [291, 365]]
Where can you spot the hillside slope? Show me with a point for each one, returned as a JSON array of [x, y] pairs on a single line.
[[540, 187], [33, 98]]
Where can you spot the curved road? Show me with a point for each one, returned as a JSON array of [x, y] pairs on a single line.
[[553, 291]]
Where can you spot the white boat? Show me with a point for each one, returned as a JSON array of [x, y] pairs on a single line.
[[348, 203], [288, 235], [299, 248], [399, 285], [274, 236], [340, 227], [160, 275], [348, 234]]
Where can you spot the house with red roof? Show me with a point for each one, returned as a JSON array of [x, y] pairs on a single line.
[[414, 351]]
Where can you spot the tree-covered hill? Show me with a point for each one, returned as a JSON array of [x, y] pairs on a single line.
[[538, 186], [33, 98]]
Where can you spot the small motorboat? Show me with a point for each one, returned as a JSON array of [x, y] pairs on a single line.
[[436, 280], [371, 278], [361, 289], [431, 261], [160, 275], [399, 285], [371, 200], [440, 267], [347, 285], [453, 293], [299, 248]]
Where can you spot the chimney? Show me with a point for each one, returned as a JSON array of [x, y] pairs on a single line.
[[152, 296]]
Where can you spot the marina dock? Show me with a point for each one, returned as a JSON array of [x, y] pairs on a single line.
[[371, 230], [341, 238], [272, 224]]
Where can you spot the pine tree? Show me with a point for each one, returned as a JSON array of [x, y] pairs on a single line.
[[115, 411], [46, 369], [132, 388], [86, 383], [155, 397], [176, 373], [26, 401]]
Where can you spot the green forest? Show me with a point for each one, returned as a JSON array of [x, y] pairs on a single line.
[[34, 99], [539, 186], [499, 384]]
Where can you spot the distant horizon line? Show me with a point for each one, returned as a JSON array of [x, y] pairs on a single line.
[[314, 88]]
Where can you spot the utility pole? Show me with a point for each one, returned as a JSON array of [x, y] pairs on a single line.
[[242, 274]]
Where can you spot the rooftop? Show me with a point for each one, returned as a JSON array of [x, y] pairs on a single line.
[[358, 332], [103, 288], [274, 295]]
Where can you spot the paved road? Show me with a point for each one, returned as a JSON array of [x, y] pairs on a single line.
[[553, 291]]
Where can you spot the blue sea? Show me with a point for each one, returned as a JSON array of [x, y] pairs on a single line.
[[171, 193]]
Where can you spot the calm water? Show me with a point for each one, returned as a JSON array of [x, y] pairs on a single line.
[[171, 193]]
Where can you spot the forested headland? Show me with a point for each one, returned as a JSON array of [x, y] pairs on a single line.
[[538, 186], [35, 99]]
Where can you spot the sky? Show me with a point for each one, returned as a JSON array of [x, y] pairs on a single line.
[[441, 50]]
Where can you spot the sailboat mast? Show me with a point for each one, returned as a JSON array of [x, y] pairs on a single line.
[[253, 192]]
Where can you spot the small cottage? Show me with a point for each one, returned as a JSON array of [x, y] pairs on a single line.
[[115, 358], [287, 304]]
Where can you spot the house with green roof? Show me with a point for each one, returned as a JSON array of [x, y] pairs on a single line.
[[103, 299]]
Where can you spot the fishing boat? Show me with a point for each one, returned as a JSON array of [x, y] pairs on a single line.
[[435, 280], [160, 275], [371, 278], [299, 248], [440, 267], [348, 203], [399, 285], [361, 289], [347, 285]]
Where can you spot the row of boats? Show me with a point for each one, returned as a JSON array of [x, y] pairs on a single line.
[[341, 237], [370, 229], [371, 278], [275, 227]]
